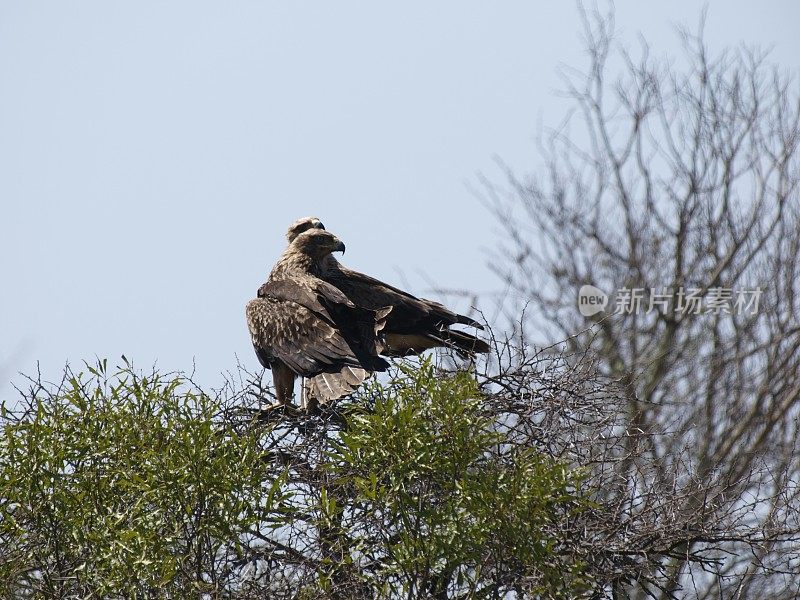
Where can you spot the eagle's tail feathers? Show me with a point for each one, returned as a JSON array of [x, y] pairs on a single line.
[[327, 387]]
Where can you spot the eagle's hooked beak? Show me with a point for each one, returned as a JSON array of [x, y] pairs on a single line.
[[339, 246]]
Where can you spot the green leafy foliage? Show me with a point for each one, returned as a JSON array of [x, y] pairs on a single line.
[[457, 509], [122, 485], [126, 485]]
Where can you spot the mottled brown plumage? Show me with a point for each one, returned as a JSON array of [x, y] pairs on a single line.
[[302, 325]]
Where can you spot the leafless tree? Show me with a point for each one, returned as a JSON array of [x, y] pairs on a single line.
[[674, 188]]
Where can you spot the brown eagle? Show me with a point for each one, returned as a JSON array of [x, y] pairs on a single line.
[[413, 325], [302, 325]]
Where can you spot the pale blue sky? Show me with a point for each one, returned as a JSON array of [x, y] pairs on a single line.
[[152, 154]]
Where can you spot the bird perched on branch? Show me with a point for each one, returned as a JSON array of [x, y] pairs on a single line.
[[302, 325], [413, 325]]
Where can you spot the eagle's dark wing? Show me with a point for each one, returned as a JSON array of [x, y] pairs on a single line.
[[414, 324], [288, 332], [360, 284], [315, 322], [359, 327]]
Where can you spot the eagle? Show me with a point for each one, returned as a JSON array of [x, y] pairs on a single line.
[[414, 324], [302, 325]]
